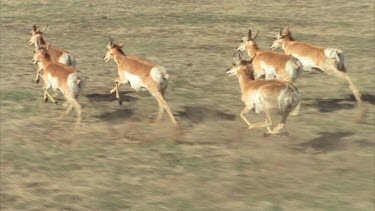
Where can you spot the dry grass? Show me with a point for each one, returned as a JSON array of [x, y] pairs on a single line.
[[119, 161]]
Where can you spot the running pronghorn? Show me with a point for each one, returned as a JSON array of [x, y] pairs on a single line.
[[272, 65], [328, 60], [141, 75], [68, 80], [265, 96], [56, 54]]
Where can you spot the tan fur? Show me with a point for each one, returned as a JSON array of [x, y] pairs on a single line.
[[265, 96], [57, 76], [315, 57], [274, 62], [138, 75], [56, 54]]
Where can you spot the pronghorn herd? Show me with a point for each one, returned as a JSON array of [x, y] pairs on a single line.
[[266, 79]]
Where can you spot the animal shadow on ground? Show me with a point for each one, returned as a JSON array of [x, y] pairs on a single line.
[[200, 113], [331, 105], [117, 115], [108, 97], [325, 142]]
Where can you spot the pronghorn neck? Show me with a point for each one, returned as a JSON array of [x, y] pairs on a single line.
[[244, 76], [45, 59], [119, 58], [41, 41], [286, 42], [252, 50]]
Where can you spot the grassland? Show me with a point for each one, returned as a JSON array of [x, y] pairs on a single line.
[[118, 160]]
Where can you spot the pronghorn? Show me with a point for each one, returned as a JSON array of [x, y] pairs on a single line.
[[265, 96], [272, 65], [328, 60], [62, 78], [141, 75], [57, 54]]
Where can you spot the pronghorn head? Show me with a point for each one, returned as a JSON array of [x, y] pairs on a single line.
[[36, 34], [281, 37], [112, 49], [40, 52], [240, 66], [248, 41]]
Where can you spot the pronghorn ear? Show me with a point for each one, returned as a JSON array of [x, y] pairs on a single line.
[[110, 42], [286, 30], [256, 35], [121, 44], [48, 46], [252, 59], [45, 29], [238, 57], [244, 63], [37, 44], [249, 34]]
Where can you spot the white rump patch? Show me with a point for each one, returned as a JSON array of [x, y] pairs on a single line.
[[308, 63], [160, 75], [135, 81], [76, 82], [54, 82], [283, 99], [337, 55], [257, 103], [269, 71]]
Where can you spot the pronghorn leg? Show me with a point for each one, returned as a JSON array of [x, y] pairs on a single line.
[[268, 119], [161, 100], [117, 80], [77, 106], [37, 78], [281, 125], [50, 97], [343, 75], [296, 110], [46, 94], [160, 113], [70, 107], [242, 114], [117, 84], [357, 94], [266, 123]]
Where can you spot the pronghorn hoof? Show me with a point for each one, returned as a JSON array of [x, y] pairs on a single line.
[[266, 134], [119, 101], [56, 102], [45, 100], [37, 81]]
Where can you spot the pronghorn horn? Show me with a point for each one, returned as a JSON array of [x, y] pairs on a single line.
[[49, 46], [256, 35], [110, 42], [240, 56], [286, 30], [252, 59], [249, 35], [45, 29], [281, 31], [35, 28], [121, 44], [237, 57], [37, 44]]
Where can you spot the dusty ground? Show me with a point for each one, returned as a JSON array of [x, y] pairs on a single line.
[[120, 161]]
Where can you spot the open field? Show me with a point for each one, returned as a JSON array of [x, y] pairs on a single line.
[[118, 160]]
